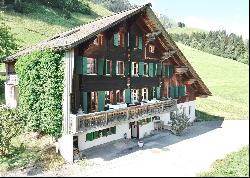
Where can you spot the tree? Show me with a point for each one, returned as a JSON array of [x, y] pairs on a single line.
[[7, 42], [178, 122], [11, 125]]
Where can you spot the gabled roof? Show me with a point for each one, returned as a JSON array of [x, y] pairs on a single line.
[[77, 35]]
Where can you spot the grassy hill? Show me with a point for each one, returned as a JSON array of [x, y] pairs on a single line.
[[186, 30], [228, 81], [42, 22]]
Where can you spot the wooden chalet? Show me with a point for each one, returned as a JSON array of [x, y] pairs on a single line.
[[123, 77]]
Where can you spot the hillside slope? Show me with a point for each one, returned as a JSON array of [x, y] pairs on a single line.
[[185, 30], [228, 81], [43, 22]]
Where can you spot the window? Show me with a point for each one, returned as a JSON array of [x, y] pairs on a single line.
[[99, 40], [184, 110], [119, 96], [144, 93], [134, 95], [120, 68], [93, 102], [134, 68], [189, 110], [108, 67], [119, 39], [136, 40], [91, 66], [151, 48], [145, 69], [107, 97]]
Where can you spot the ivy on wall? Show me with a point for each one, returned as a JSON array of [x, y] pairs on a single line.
[[40, 91]]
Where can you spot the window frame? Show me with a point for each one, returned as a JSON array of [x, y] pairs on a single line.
[[135, 68], [108, 66], [118, 72], [95, 66], [151, 48]]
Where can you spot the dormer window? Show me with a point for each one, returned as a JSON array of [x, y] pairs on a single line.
[[99, 40], [151, 48]]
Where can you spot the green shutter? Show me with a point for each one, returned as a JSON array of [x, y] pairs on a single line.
[[171, 70], [182, 90], [96, 133], [159, 69], [84, 65], [100, 63], [78, 66], [126, 68], [141, 68], [158, 92], [171, 92], [90, 136], [104, 132], [132, 41], [140, 42], [85, 102], [176, 92], [151, 69], [116, 39], [113, 67], [166, 71], [127, 39], [127, 96], [154, 69], [113, 130], [101, 100]]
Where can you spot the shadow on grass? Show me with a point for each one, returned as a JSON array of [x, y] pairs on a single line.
[[19, 157], [203, 116]]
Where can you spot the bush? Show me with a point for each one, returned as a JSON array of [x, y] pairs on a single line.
[[178, 122], [7, 42], [11, 125], [40, 91]]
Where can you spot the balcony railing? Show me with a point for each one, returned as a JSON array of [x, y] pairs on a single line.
[[85, 122]]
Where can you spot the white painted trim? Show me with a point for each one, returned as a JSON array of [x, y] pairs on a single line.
[[68, 76]]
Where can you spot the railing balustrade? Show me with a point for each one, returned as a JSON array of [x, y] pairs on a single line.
[[99, 119]]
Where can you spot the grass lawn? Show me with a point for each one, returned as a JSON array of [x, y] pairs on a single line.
[[228, 81], [235, 164], [28, 151]]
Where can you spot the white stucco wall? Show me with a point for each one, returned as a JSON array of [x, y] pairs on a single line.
[[66, 147], [186, 105], [145, 129], [11, 95], [121, 129]]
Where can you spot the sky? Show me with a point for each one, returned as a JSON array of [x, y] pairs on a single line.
[[229, 15]]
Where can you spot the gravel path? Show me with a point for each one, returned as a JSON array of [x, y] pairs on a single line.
[[163, 154]]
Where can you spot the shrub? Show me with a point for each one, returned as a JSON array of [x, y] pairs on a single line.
[[40, 91], [7, 42], [178, 122], [11, 125]]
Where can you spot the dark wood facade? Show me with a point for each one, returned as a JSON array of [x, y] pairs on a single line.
[[132, 46]]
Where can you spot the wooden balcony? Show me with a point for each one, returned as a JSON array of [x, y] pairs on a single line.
[[181, 70], [85, 122]]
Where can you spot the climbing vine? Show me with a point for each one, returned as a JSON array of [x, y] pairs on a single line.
[[40, 91]]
